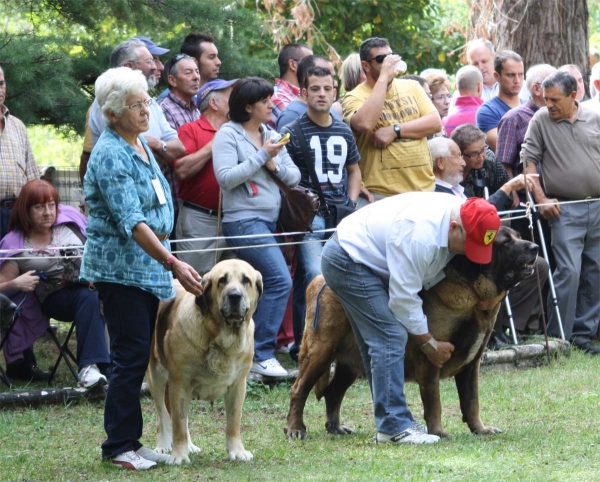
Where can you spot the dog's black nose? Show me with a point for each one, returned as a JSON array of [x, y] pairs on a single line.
[[534, 248], [235, 296]]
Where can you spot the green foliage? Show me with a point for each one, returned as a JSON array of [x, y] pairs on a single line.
[[417, 29], [53, 50]]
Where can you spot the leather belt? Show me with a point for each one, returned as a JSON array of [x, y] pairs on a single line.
[[7, 203], [195, 207], [162, 237]]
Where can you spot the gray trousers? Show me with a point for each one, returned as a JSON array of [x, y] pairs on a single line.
[[195, 224], [576, 247]]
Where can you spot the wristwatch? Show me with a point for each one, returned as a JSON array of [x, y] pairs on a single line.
[[398, 132], [164, 146], [430, 346], [168, 263], [277, 168]]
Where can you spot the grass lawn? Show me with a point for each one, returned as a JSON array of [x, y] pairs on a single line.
[[549, 417]]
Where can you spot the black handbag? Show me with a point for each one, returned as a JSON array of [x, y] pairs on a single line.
[[333, 213], [298, 207]]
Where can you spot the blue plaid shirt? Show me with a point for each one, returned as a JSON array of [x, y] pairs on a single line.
[[118, 189]]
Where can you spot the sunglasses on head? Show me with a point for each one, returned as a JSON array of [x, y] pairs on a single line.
[[380, 58]]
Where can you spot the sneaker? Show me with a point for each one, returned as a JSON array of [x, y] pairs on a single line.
[[409, 436], [22, 370], [152, 455], [132, 461], [90, 376], [419, 427], [284, 349], [269, 368]]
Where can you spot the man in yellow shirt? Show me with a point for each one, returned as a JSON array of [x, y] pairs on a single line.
[[391, 120]]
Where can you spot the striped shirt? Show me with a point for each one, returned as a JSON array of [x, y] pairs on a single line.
[[332, 148], [283, 94], [17, 165], [119, 189], [177, 112]]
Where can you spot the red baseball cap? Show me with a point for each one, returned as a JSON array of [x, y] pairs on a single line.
[[481, 224]]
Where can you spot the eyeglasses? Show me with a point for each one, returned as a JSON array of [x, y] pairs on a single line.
[[473, 155], [147, 62], [138, 105], [442, 98], [176, 59], [380, 58]]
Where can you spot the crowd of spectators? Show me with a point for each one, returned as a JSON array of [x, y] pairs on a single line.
[[204, 161]]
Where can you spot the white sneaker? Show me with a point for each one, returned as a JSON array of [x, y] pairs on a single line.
[[132, 461], [409, 436], [90, 376], [269, 368], [285, 349], [152, 455]]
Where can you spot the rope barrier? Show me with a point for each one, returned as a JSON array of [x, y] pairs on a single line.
[[527, 214]]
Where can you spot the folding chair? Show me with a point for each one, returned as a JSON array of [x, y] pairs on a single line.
[[63, 349], [64, 353]]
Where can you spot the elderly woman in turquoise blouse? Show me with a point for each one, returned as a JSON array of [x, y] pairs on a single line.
[[127, 255]]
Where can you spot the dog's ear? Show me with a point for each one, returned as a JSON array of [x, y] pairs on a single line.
[[259, 285], [205, 300]]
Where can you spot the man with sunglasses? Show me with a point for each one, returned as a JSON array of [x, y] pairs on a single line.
[[391, 119]]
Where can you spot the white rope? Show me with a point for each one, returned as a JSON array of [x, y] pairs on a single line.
[[528, 214]]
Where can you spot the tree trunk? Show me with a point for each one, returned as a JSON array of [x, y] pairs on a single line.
[[541, 31]]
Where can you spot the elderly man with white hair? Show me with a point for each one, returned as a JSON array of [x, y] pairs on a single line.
[[594, 102], [469, 85], [127, 254]]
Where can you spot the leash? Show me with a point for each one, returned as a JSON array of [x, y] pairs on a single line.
[[318, 308]]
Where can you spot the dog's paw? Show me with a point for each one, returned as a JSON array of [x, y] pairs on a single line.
[[487, 431], [178, 459], [338, 429], [193, 449], [163, 448], [296, 433], [242, 455]]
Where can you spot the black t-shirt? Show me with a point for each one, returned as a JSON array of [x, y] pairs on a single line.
[[332, 148]]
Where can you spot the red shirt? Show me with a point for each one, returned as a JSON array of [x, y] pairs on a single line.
[[201, 189]]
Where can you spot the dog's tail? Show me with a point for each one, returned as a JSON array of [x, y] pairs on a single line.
[[322, 384]]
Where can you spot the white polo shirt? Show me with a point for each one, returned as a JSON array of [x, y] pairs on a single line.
[[404, 240]]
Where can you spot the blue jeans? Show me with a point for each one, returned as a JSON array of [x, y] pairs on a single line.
[[79, 304], [277, 282], [130, 314], [381, 337], [308, 267]]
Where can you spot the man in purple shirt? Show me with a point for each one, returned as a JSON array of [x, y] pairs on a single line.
[[469, 84], [513, 125]]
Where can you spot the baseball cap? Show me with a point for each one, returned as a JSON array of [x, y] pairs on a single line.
[[217, 84], [481, 224], [152, 47]]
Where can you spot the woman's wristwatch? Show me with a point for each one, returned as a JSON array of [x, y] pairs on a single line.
[[168, 263]]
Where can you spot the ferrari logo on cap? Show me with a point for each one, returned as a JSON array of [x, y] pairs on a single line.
[[490, 234]]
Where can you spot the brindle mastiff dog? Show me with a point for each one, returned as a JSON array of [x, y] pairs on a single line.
[[461, 309], [203, 348]]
